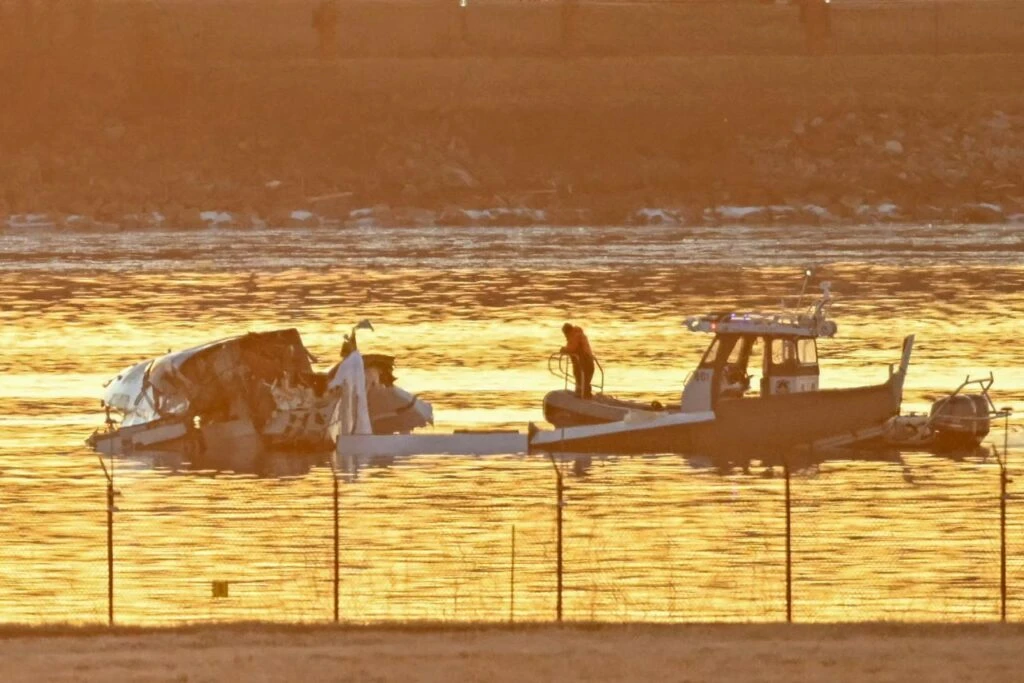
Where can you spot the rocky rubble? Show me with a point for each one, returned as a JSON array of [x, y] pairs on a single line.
[[963, 165], [921, 166]]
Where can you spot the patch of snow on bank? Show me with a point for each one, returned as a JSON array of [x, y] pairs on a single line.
[[884, 209], [31, 220], [535, 215], [362, 218], [648, 216], [216, 217], [819, 211], [738, 212]]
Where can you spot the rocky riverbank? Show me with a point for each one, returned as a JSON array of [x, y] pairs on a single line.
[[845, 167], [819, 167], [152, 138]]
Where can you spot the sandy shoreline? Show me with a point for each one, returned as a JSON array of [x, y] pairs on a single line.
[[724, 653]]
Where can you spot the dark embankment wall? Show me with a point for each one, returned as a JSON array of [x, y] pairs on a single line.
[[185, 105]]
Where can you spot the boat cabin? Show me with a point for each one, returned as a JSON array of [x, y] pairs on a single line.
[[757, 354], [738, 365]]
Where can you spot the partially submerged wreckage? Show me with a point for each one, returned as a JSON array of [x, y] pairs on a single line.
[[255, 391]]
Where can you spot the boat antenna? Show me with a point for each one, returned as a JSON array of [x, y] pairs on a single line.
[[808, 272]]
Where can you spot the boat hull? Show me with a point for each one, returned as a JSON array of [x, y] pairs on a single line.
[[769, 424]]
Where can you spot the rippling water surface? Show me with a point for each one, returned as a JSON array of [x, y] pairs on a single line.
[[472, 314]]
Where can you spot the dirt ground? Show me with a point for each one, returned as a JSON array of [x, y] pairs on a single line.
[[723, 654]]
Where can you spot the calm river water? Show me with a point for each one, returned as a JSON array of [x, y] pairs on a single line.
[[472, 314]]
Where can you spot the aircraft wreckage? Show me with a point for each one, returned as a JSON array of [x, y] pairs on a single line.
[[253, 391]]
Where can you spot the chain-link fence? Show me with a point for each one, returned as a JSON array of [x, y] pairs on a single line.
[[661, 539]]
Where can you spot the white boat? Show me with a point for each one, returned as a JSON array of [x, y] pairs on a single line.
[[722, 410]]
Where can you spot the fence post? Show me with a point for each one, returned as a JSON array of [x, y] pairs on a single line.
[[1004, 479], [559, 491], [789, 545], [109, 475], [1002, 538], [110, 551], [512, 581], [463, 22], [337, 576]]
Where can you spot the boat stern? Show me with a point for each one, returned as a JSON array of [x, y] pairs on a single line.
[[898, 377]]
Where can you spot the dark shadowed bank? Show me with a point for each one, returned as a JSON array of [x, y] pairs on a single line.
[[187, 114]]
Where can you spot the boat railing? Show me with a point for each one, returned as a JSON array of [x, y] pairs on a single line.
[[983, 384], [560, 365]]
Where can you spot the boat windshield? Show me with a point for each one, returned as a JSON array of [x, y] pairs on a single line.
[[734, 350], [708, 361]]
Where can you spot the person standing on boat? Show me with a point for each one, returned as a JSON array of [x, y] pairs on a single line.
[[578, 347]]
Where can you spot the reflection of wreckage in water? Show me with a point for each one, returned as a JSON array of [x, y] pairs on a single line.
[[257, 391]]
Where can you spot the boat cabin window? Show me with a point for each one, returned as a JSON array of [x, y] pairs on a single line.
[[783, 352], [756, 355], [807, 352], [794, 354]]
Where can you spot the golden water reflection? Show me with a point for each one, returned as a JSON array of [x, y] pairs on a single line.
[[472, 317]]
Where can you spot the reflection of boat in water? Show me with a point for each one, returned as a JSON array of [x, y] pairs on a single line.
[[720, 412], [249, 393], [262, 464], [800, 461]]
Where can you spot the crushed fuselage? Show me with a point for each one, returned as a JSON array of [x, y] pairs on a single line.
[[254, 391]]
